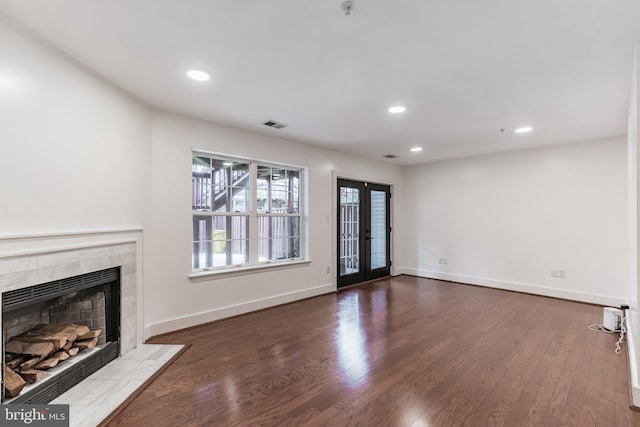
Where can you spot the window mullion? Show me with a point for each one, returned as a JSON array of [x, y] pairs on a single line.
[[253, 215], [302, 209], [268, 214]]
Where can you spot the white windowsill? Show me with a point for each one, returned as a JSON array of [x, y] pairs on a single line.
[[203, 275]]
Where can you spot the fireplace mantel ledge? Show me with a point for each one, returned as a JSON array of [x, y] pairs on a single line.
[[78, 233], [73, 247], [15, 246]]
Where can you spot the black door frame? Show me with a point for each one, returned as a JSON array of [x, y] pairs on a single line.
[[365, 273]]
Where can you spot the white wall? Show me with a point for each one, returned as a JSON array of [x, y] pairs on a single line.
[[634, 228], [174, 301], [73, 151], [506, 220], [74, 166]]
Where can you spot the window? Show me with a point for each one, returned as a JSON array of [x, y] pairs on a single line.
[[278, 213], [244, 212]]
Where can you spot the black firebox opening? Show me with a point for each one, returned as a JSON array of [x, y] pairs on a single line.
[[75, 299]]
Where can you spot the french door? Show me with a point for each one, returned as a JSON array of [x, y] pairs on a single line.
[[364, 231]]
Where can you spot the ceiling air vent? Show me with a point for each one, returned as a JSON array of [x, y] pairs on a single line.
[[390, 156], [274, 124]]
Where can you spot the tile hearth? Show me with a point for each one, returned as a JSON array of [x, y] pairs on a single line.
[[96, 397]]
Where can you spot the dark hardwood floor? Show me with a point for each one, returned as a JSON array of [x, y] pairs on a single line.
[[399, 352]]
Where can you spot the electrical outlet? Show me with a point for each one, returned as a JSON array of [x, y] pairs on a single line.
[[444, 261], [328, 269], [558, 273]]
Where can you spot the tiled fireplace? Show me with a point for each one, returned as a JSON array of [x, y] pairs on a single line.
[[73, 264]]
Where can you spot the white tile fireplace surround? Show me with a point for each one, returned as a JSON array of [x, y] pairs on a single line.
[[32, 260], [35, 259]]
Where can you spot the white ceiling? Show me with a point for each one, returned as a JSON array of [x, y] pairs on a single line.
[[465, 69]]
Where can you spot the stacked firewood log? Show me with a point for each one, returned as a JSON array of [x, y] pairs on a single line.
[[30, 355]]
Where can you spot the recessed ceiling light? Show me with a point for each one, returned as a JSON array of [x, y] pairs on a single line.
[[198, 75], [524, 129], [416, 149], [397, 109]]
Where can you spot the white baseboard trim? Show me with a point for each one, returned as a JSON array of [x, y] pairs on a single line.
[[519, 287], [633, 365], [233, 310]]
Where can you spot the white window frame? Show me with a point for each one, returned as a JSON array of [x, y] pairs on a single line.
[[254, 263]]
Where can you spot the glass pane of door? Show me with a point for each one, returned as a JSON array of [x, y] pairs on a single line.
[[378, 221], [349, 257]]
